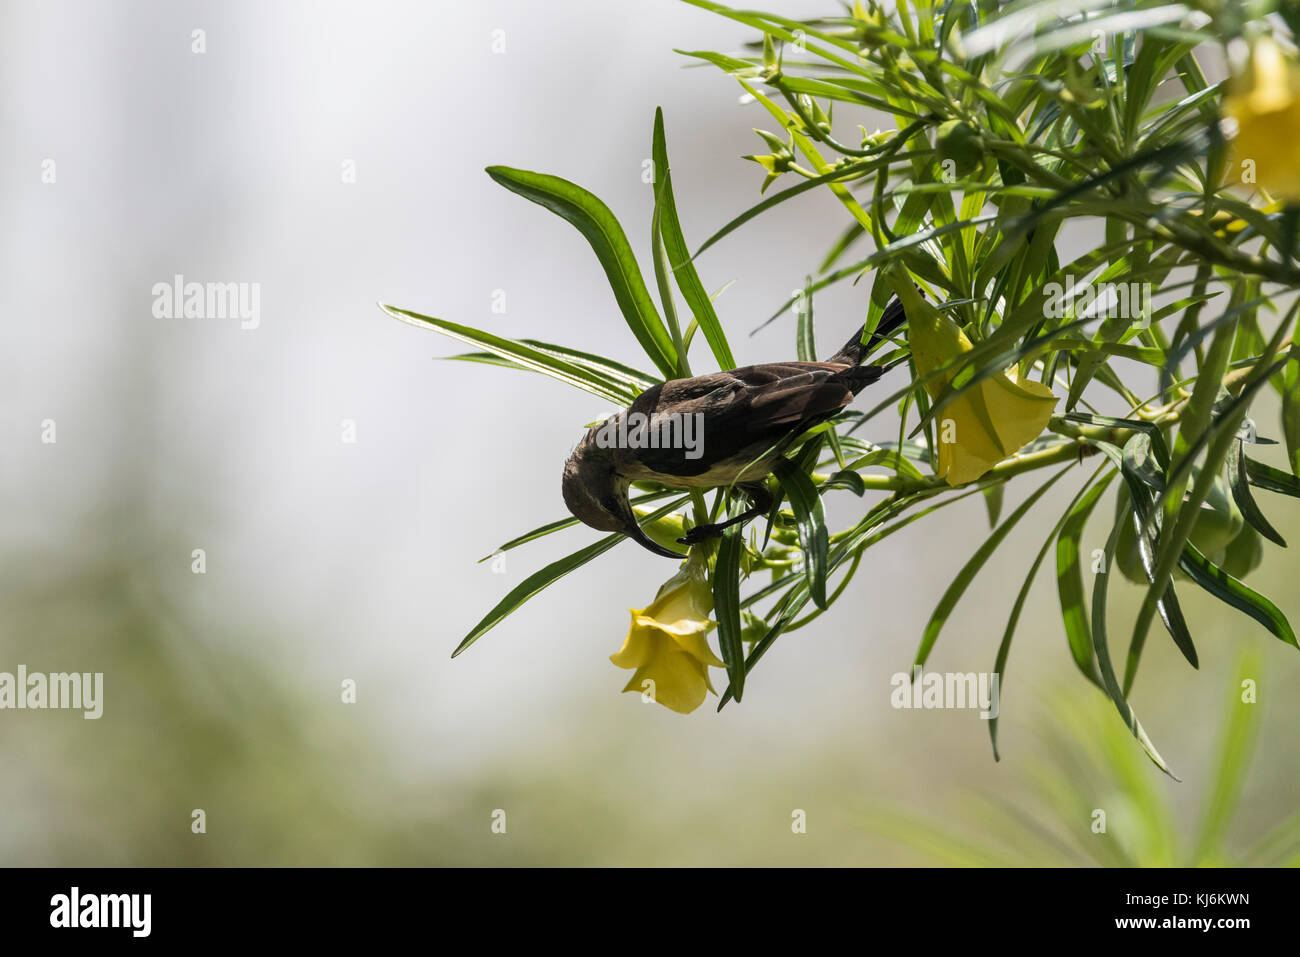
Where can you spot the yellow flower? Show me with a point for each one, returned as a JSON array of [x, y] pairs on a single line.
[[1264, 99], [668, 644], [987, 423]]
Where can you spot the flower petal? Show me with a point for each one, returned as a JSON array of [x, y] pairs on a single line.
[[638, 647], [680, 683], [697, 646], [966, 448], [1019, 410]]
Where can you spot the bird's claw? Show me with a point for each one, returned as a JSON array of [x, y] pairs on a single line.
[[698, 534]]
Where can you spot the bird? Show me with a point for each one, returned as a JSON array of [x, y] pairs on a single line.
[[725, 428]]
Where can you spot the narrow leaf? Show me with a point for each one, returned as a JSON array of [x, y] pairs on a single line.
[[726, 606], [547, 576], [972, 567], [1101, 648], [602, 230], [526, 356], [1239, 482], [813, 537], [1004, 648], [1069, 581]]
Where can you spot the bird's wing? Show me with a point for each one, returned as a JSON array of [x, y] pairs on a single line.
[[745, 411]]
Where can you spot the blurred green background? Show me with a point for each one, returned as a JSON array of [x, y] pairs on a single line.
[[330, 561]]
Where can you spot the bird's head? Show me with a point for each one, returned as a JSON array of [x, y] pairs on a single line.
[[596, 494], [591, 491]]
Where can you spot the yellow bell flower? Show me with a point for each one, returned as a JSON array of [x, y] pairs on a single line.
[[668, 645], [989, 422], [1264, 99]]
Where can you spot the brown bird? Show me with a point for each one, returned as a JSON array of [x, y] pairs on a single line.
[[722, 429]]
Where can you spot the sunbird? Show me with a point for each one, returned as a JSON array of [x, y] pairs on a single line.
[[741, 422]]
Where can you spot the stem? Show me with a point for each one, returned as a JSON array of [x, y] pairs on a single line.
[[700, 507], [1015, 465]]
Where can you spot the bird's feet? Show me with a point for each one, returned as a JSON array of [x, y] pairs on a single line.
[[700, 533]]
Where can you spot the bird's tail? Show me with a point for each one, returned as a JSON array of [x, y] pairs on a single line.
[[855, 351]]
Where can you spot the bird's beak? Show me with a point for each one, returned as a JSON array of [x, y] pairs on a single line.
[[649, 543]]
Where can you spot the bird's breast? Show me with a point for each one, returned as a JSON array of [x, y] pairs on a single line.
[[749, 466]]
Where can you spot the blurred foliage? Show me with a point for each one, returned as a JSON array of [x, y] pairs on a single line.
[[1091, 802], [288, 776]]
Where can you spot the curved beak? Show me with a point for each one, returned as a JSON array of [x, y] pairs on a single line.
[[632, 529], [645, 541]]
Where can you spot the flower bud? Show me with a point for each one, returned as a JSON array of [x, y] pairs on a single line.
[[958, 141]]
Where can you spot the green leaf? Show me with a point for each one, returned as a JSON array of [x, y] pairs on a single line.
[[1020, 22], [838, 174], [1138, 464], [549, 575], [626, 381], [1178, 508], [1271, 479], [679, 255], [1178, 353], [807, 505], [862, 537], [602, 230], [634, 380], [888, 456], [540, 532], [848, 479], [1130, 20], [795, 599], [728, 64], [1291, 408], [1004, 648], [528, 357], [1069, 581], [726, 605], [1232, 592], [660, 257], [781, 28], [1202, 571], [993, 496], [972, 567], [560, 524], [805, 341], [841, 246], [1239, 482], [1102, 650]]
